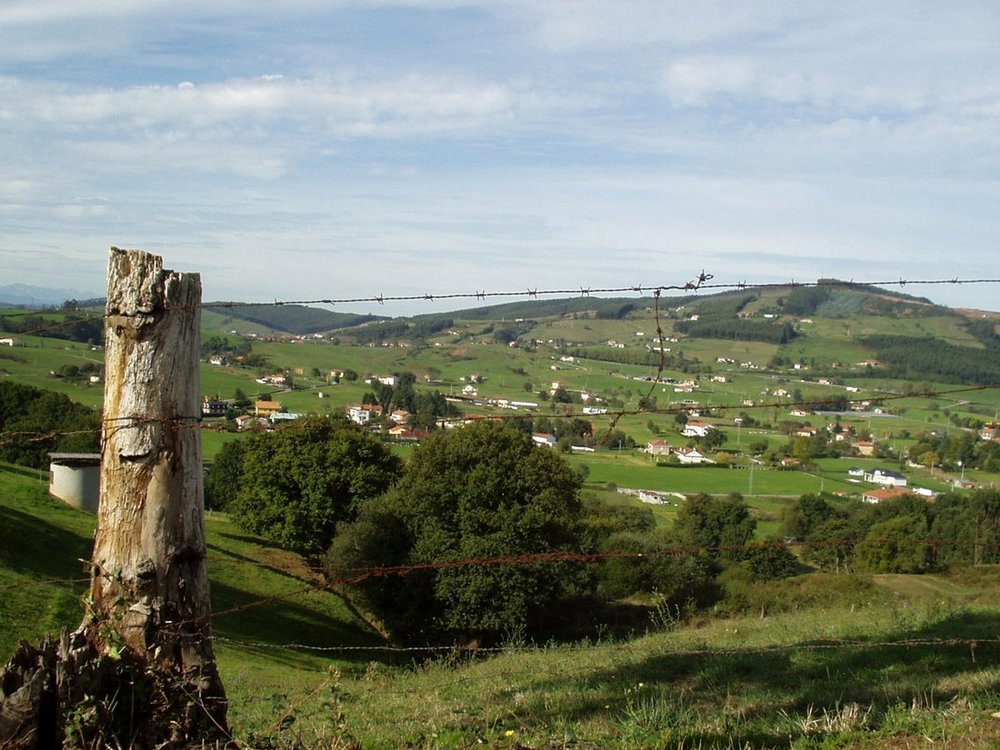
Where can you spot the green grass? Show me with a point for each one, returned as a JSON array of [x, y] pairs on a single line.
[[637, 471], [42, 541], [725, 683], [742, 682]]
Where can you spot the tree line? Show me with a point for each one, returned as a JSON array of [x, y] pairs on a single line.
[[337, 494], [918, 358], [42, 422], [902, 535]]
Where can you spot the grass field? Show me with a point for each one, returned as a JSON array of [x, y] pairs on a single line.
[[819, 677]]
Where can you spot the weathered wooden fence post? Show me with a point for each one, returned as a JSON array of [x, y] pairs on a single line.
[[141, 663], [150, 583]]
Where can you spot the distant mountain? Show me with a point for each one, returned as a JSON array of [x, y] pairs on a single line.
[[24, 295], [294, 319]]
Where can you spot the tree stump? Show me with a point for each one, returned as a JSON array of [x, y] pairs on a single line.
[[139, 672]]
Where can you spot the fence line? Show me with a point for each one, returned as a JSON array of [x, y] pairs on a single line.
[[819, 645], [701, 283], [336, 577]]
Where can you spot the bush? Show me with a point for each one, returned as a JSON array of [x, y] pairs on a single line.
[[472, 494], [300, 481]]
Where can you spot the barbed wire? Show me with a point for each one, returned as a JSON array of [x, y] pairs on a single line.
[[335, 576], [694, 286], [819, 645], [586, 291]]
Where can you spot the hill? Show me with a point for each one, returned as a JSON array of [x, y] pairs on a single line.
[[856, 664], [294, 319]]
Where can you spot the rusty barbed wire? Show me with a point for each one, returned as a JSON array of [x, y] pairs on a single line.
[[335, 577], [830, 644], [692, 286]]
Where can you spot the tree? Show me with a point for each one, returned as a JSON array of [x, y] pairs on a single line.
[[712, 440], [475, 493], [300, 481], [721, 525], [897, 545], [43, 422], [807, 514], [225, 476]]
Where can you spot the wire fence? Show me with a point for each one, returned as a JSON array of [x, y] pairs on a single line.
[[328, 579]]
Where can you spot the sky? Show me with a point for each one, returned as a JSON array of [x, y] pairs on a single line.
[[311, 149]]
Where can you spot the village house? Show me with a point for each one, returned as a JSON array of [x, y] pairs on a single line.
[[990, 431], [691, 456], [885, 477], [544, 439], [877, 496], [658, 447], [364, 413], [246, 421], [266, 408], [865, 448], [213, 407], [697, 429]]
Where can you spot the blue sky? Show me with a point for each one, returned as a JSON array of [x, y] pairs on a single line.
[[334, 148]]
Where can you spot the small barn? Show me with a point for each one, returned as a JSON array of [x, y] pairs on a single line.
[[75, 478]]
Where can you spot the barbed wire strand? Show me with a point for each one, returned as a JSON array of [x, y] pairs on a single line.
[[702, 284], [821, 645], [353, 576], [692, 286]]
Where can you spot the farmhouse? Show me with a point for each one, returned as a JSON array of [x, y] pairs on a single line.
[[658, 447], [877, 496], [75, 478], [885, 477], [691, 456], [697, 429], [544, 439], [213, 407], [865, 448], [363, 413], [266, 408]]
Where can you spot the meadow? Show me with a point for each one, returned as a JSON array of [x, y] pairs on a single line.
[[876, 661]]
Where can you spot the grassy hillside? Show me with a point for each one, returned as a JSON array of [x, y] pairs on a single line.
[[297, 319], [862, 663], [42, 542]]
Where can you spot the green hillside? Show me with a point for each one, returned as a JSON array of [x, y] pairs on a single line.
[[858, 663], [295, 319]]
